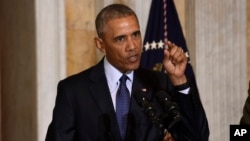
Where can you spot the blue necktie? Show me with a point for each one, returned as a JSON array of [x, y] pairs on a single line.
[[122, 105]]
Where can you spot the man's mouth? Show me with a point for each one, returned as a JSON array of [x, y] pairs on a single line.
[[133, 58]]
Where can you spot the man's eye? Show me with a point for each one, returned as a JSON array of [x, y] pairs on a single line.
[[119, 39], [136, 34]]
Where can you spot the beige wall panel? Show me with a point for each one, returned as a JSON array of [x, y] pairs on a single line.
[[221, 70], [81, 51], [189, 31], [248, 39], [181, 9]]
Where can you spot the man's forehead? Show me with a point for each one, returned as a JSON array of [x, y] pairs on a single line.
[[122, 22]]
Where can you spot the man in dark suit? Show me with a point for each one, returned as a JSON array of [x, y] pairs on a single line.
[[245, 119], [86, 108]]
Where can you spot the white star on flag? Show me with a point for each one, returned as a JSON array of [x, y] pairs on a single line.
[[153, 45], [160, 44], [147, 46]]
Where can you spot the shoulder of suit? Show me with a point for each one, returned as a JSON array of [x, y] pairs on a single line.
[[77, 77]]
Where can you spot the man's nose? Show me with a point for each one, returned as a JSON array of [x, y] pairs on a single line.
[[131, 44]]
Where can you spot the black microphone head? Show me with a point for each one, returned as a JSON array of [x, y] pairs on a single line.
[[172, 114], [148, 108], [140, 96], [166, 101], [162, 95]]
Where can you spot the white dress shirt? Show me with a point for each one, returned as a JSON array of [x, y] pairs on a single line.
[[113, 75]]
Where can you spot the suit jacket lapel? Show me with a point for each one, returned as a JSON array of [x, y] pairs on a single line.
[[99, 89], [101, 95]]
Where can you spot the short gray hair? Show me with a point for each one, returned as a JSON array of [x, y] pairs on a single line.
[[110, 12]]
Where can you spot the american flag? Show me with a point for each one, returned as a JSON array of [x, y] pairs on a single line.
[[163, 24]]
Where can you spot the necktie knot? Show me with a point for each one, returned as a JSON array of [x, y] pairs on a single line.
[[123, 79]]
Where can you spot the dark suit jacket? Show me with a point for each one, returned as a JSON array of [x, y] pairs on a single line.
[[245, 119], [84, 110]]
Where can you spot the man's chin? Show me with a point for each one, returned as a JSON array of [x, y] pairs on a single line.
[[133, 67]]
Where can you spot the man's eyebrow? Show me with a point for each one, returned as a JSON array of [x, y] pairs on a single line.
[[138, 31], [119, 36]]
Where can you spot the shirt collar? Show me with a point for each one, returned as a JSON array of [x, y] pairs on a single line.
[[113, 75]]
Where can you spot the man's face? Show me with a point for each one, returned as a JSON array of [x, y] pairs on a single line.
[[121, 42]]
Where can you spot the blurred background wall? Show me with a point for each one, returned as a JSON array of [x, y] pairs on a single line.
[[43, 41]]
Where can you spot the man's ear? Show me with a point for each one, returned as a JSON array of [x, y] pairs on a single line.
[[99, 44]]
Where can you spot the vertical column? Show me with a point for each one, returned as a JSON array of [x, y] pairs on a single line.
[[248, 39], [18, 70], [50, 59], [1, 44], [32, 61], [190, 30], [220, 53], [0, 91]]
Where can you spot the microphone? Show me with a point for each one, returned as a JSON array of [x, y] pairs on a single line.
[[173, 115], [149, 110]]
